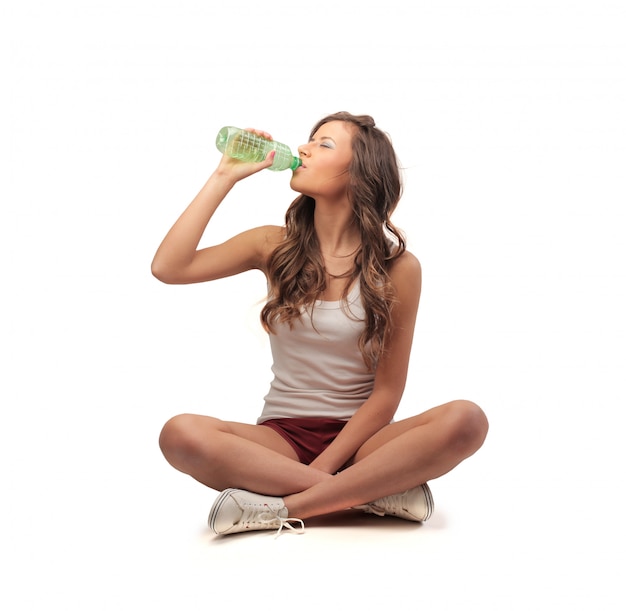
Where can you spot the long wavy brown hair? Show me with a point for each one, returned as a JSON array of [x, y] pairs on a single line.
[[296, 271]]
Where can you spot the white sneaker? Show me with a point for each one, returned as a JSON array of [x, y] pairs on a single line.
[[415, 504], [239, 510]]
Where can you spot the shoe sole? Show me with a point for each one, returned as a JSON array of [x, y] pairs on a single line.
[[225, 495], [430, 503], [217, 505]]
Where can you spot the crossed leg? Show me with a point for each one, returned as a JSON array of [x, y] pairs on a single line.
[[400, 456], [222, 454]]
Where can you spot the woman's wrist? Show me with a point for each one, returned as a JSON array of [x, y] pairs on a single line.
[[222, 179], [324, 465]]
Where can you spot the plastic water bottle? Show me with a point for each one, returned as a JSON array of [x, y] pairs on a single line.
[[246, 146]]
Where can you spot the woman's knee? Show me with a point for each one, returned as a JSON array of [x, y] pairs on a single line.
[[180, 435], [174, 435], [468, 425]]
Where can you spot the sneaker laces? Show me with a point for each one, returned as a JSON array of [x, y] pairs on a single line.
[[383, 506], [398, 505], [373, 508], [271, 516]]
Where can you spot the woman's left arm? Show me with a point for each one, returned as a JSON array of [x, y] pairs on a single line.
[[391, 373]]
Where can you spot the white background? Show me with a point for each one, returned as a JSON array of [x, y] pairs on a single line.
[[509, 120]]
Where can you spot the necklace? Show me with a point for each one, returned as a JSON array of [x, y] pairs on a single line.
[[350, 254], [340, 276], [346, 274]]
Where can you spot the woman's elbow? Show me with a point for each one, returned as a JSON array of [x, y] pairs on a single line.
[[163, 273]]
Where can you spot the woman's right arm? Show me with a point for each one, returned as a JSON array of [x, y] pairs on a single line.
[[178, 260]]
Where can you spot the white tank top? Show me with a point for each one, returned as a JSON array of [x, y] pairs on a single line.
[[318, 368]]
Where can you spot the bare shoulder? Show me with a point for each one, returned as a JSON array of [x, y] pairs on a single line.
[[271, 235], [406, 268], [406, 278], [268, 238]]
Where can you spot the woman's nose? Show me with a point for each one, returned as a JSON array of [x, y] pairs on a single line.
[[302, 150]]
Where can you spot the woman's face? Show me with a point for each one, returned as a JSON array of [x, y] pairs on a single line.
[[325, 162]]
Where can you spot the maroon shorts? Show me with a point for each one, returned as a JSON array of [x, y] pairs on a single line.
[[309, 437]]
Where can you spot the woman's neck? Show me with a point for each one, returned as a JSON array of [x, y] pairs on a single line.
[[336, 230]]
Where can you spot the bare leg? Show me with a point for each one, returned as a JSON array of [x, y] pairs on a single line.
[[401, 456], [223, 455]]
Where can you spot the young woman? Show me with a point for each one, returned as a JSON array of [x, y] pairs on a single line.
[[342, 302]]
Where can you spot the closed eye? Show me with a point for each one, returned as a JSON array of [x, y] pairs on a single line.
[[325, 141]]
